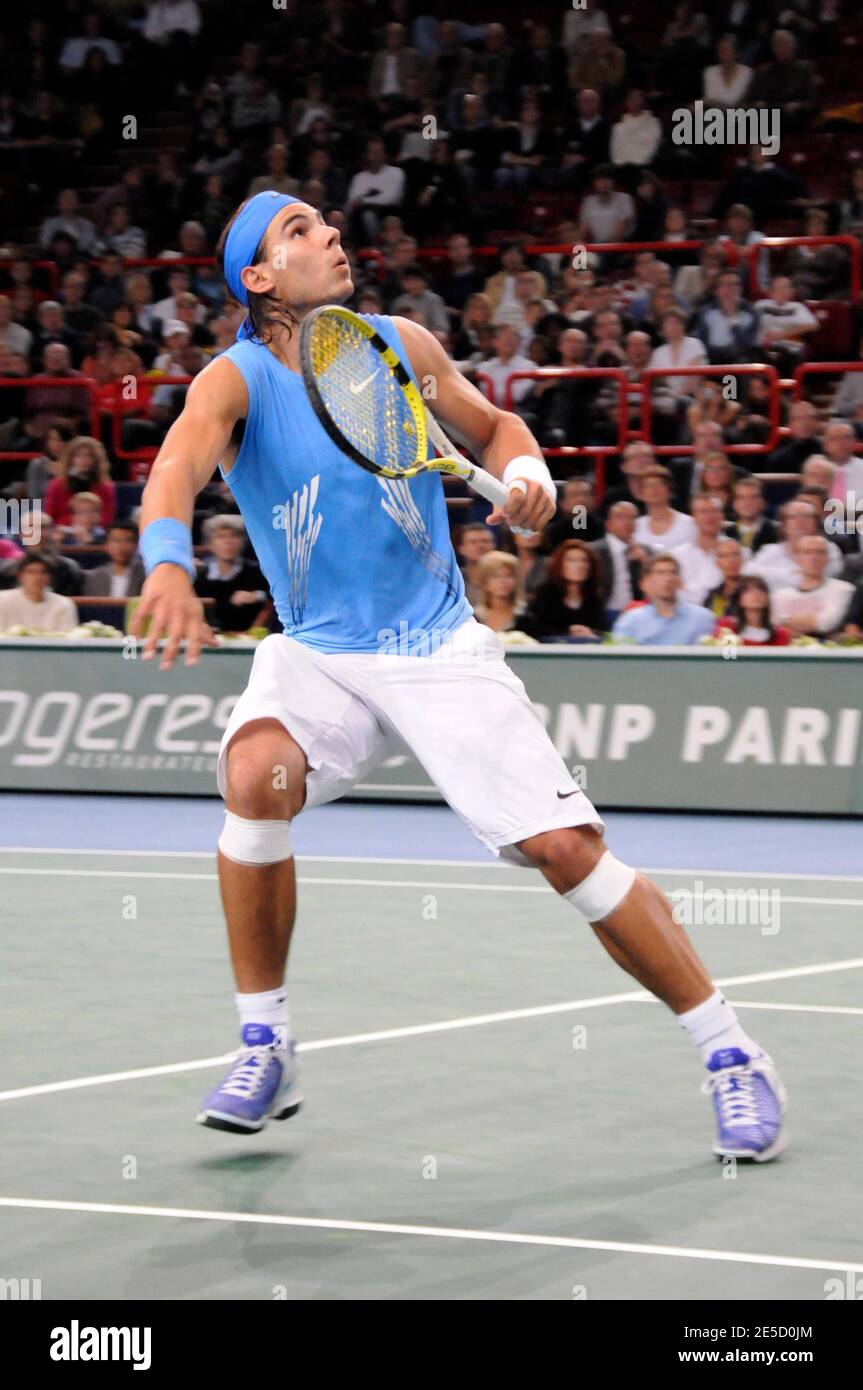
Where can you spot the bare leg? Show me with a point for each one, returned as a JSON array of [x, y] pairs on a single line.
[[641, 934], [260, 900]]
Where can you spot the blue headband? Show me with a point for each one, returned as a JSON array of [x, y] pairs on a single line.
[[244, 238]]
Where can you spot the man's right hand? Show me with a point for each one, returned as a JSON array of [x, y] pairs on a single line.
[[175, 612]]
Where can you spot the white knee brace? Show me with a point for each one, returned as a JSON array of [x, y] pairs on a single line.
[[603, 890], [255, 841]]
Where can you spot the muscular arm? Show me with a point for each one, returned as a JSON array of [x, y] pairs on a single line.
[[493, 435], [194, 445]]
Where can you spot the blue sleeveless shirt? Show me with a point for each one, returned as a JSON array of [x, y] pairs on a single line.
[[350, 558]]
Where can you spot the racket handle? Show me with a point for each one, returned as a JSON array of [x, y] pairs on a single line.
[[493, 490]]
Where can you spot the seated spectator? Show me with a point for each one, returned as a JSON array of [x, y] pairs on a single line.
[[728, 327], [818, 272], [84, 467], [722, 599], [636, 137], [566, 404], [848, 400], [375, 190], [474, 337], [587, 134], [636, 459], [527, 149], [727, 82], [122, 576], [718, 479], [816, 605], [52, 328], [68, 219], [762, 186], [787, 82], [46, 466], [606, 214], [463, 280], [621, 559], [568, 604], [417, 295], [778, 563], [678, 350], [598, 64], [695, 285], [86, 524], [740, 232], [818, 472], [531, 554], [77, 47], [505, 361], [661, 528], [748, 523], [13, 335], [699, 571], [121, 236], [651, 207], [783, 324], [474, 540], [665, 620], [276, 175], [608, 348], [840, 446], [575, 516], [57, 403], [234, 583], [33, 603], [752, 621], [501, 602], [801, 441]]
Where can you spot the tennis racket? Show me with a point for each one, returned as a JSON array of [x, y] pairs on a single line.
[[371, 408]]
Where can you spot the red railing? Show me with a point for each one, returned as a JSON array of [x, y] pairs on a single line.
[[650, 374], [146, 452], [820, 368]]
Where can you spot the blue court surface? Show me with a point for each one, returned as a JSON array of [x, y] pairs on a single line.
[[493, 1110]]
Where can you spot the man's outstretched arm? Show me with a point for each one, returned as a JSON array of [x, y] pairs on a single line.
[[192, 448]]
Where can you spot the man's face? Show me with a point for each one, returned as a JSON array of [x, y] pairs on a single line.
[[476, 542], [34, 580], [120, 546], [839, 442], [707, 516], [506, 342], [375, 155], [802, 421], [572, 345], [812, 556], [459, 249], [51, 319], [729, 558], [621, 521], [800, 520], [588, 104], [226, 543], [663, 582], [707, 437], [748, 503], [638, 350], [603, 187], [728, 292], [55, 358], [817, 473], [304, 263], [782, 290], [85, 514]]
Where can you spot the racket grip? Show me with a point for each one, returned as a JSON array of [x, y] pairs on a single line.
[[493, 490]]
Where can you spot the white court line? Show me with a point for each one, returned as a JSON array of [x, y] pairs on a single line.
[[439, 863], [415, 1030], [369, 883], [389, 1228]]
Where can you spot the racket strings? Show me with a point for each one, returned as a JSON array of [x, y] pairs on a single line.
[[362, 394]]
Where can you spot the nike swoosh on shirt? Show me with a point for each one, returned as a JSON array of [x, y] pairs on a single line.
[[355, 390], [564, 795]]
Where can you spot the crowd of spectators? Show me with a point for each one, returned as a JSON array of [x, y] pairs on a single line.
[[443, 149]]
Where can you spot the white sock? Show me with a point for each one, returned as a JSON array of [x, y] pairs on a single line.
[[269, 1008], [713, 1026]]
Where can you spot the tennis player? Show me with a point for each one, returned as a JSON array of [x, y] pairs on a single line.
[[351, 559]]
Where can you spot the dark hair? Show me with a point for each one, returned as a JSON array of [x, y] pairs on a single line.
[[264, 311], [128, 526], [34, 557], [753, 581], [554, 573]]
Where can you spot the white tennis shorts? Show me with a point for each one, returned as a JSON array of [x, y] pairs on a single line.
[[461, 710]]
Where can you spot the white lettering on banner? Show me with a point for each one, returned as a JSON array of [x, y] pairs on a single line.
[[803, 740], [629, 724], [118, 706], [847, 736], [578, 733], [224, 709], [753, 739], [19, 703], [48, 745], [705, 725], [139, 718], [173, 720]]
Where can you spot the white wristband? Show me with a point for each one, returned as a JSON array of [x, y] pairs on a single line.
[[533, 470]]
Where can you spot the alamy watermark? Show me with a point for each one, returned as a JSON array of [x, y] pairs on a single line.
[[731, 125], [21, 518], [727, 907]]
